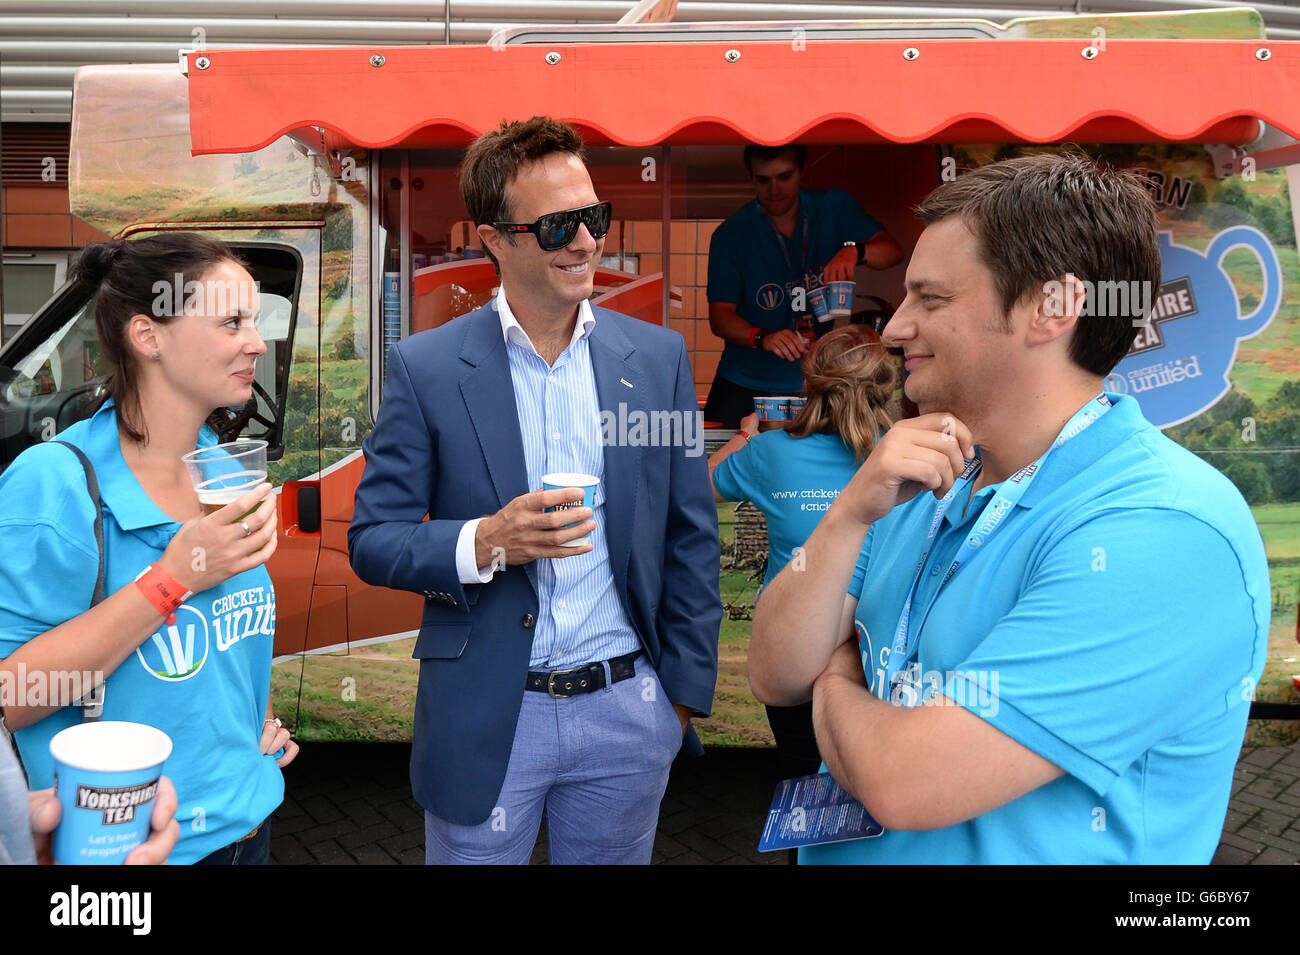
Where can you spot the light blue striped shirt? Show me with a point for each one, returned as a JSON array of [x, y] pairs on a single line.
[[580, 618]]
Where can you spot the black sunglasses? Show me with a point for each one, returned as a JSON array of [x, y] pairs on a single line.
[[555, 230]]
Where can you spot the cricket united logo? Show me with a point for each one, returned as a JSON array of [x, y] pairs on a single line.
[[176, 651], [769, 297]]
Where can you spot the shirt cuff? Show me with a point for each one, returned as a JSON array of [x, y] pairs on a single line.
[[466, 568]]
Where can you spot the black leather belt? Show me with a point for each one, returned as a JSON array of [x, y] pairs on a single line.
[[583, 679]]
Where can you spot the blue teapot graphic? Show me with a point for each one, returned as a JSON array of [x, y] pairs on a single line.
[[1179, 363]]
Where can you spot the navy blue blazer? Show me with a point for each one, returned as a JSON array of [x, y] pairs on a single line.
[[447, 444]]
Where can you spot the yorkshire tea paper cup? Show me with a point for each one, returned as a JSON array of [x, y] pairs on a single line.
[[586, 483], [106, 778]]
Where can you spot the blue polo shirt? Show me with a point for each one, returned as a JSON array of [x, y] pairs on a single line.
[[754, 268], [791, 480], [203, 681], [1116, 625]]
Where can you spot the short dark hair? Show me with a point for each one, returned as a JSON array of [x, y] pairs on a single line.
[[495, 158], [1036, 218], [126, 277], [768, 153]]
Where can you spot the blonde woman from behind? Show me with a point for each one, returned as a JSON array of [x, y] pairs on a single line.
[[793, 474]]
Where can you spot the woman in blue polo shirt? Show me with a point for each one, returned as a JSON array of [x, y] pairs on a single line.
[[184, 635], [793, 474]]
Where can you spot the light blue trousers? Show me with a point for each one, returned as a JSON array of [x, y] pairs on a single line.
[[596, 763]]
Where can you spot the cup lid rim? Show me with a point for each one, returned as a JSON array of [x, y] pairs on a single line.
[[562, 479], [63, 739], [254, 444]]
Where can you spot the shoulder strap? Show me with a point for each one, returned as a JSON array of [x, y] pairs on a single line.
[[92, 705]]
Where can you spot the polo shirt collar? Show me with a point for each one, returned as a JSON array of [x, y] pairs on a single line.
[[119, 489], [1122, 421], [514, 333], [1093, 443]]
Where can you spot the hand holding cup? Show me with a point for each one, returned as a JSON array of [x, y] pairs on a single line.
[[529, 527], [235, 538]]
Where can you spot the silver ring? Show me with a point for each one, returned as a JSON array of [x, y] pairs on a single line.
[[247, 529]]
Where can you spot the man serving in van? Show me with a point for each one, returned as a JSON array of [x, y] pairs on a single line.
[[763, 260]]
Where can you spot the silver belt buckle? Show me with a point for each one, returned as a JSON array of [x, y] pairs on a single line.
[[550, 682]]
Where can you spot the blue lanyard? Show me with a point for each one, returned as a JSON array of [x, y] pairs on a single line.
[[803, 240], [991, 520]]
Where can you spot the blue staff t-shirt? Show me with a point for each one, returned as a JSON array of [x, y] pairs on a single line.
[[791, 480], [1116, 625], [749, 268], [203, 680]]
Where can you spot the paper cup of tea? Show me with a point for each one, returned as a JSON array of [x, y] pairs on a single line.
[[819, 303], [586, 482], [223, 472], [106, 778], [768, 408], [841, 297]]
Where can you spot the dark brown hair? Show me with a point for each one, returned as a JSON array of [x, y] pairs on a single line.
[[1038, 218], [849, 376], [494, 159], [141, 277], [768, 153]]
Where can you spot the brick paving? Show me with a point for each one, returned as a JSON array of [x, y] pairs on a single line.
[[351, 803]]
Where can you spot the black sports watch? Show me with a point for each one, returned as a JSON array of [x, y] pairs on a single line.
[[758, 338]]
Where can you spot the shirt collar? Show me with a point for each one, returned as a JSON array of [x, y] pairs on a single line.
[[119, 490], [513, 332], [1122, 421]]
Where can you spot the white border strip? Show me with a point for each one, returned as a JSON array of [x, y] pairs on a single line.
[[318, 475], [387, 638]]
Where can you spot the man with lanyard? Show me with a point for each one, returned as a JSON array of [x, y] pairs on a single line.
[[763, 260], [1069, 610]]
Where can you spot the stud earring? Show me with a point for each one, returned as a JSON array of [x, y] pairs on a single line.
[[155, 356]]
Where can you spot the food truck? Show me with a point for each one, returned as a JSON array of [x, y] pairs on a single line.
[[333, 174]]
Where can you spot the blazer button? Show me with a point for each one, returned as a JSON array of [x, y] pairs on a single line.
[[528, 621]]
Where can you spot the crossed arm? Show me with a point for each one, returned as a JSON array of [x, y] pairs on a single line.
[[913, 768]]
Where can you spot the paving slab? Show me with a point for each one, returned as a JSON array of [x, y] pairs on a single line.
[[351, 803]]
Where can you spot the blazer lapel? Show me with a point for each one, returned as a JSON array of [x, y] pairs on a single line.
[[621, 393], [489, 394]]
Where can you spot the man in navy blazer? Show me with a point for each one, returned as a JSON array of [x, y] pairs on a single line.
[[552, 676]]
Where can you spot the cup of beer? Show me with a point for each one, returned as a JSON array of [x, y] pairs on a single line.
[[106, 776], [222, 472]]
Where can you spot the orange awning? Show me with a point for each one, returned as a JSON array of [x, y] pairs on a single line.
[[643, 94]]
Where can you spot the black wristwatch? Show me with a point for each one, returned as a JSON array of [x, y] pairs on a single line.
[[758, 338], [862, 250]]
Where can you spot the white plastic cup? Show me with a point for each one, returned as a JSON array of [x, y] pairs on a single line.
[[223, 472], [106, 778], [558, 482]]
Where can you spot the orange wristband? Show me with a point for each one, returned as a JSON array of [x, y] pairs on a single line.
[[161, 589]]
